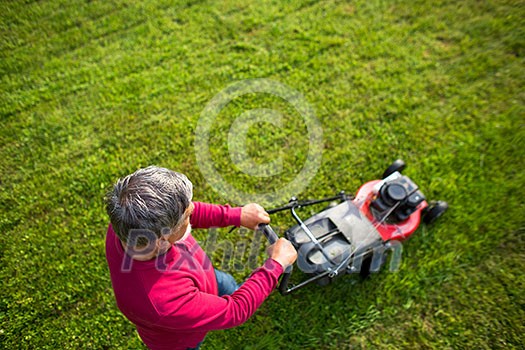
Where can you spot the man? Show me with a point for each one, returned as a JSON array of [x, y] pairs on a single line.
[[162, 279]]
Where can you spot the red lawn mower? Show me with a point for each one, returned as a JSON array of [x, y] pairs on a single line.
[[354, 234]]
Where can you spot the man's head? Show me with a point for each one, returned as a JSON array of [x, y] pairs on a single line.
[[154, 199]]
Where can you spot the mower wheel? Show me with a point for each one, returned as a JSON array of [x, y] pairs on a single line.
[[397, 165], [434, 211], [365, 267]]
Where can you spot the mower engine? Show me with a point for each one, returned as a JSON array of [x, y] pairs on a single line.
[[396, 198]]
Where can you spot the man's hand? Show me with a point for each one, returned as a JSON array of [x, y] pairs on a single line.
[[283, 252], [252, 215]]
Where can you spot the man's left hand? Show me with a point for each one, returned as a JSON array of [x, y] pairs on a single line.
[[252, 215]]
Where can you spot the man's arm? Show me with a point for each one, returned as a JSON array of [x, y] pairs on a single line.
[[187, 308], [206, 312], [206, 215]]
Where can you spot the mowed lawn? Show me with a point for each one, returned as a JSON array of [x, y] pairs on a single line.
[[93, 90]]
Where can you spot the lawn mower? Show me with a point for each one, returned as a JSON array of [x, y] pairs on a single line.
[[353, 234]]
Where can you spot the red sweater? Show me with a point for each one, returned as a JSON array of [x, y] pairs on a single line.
[[172, 299]]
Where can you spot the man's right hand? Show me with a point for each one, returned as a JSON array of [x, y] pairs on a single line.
[[283, 252]]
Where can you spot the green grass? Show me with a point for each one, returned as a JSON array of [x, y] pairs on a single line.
[[90, 91]]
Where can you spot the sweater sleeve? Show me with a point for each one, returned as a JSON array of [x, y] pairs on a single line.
[[206, 215], [206, 312]]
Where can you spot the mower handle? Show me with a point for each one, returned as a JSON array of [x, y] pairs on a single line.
[[268, 232], [272, 237], [295, 203]]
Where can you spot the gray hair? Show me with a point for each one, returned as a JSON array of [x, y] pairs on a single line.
[[152, 199]]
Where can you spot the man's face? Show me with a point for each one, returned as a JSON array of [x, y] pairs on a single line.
[[178, 234]]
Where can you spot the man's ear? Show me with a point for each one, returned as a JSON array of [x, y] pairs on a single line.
[[165, 233], [163, 245], [163, 242]]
